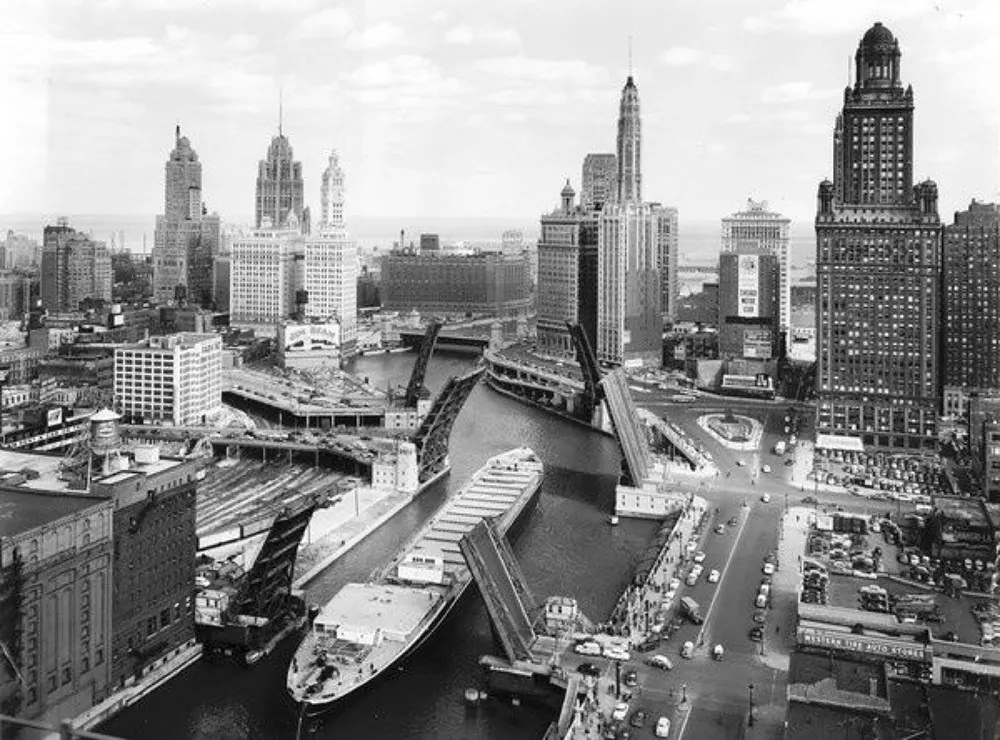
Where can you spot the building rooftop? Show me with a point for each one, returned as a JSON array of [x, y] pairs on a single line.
[[969, 510], [24, 510]]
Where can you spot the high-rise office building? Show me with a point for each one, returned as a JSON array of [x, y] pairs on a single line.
[[332, 196], [330, 281], [877, 265], [749, 279], [174, 379], [265, 271], [758, 228], [567, 276], [599, 183], [629, 150], [280, 190], [633, 241], [667, 243], [186, 240], [970, 335], [75, 268]]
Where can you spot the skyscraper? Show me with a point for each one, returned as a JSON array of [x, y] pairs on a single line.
[[667, 243], [567, 275], [758, 228], [599, 184], [74, 269], [332, 196], [264, 275], [629, 145], [971, 290], [186, 240], [877, 265], [280, 190], [748, 303]]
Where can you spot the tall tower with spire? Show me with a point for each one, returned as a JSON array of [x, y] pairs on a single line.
[[878, 259], [186, 239], [280, 191], [332, 195], [629, 144]]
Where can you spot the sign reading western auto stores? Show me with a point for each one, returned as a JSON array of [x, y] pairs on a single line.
[[875, 646]]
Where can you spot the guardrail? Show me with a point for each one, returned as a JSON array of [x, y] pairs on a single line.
[[64, 729]]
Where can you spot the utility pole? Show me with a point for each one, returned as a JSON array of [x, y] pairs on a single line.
[[750, 721]]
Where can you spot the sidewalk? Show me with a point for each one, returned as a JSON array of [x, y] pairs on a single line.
[[779, 632]]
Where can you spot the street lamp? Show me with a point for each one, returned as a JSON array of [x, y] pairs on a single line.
[[750, 722]]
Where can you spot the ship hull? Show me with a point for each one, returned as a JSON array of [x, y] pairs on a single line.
[[312, 710]]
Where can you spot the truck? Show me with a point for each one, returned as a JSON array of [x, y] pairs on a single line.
[[691, 610], [779, 447]]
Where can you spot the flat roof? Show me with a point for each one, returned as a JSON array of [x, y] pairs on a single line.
[[46, 466], [395, 609], [839, 442], [961, 507], [24, 510]]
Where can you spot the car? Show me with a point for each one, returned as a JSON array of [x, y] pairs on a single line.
[[663, 727], [766, 498], [588, 648], [741, 463], [757, 634], [692, 578], [761, 601], [620, 711], [614, 652], [675, 583], [638, 718], [768, 569], [765, 469], [713, 576], [733, 521], [766, 581], [660, 661], [631, 678], [699, 557], [624, 733], [589, 669], [789, 462], [759, 617], [810, 500], [720, 528]]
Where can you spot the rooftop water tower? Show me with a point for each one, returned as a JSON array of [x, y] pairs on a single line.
[[105, 437]]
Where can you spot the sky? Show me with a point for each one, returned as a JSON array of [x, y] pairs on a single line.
[[469, 109]]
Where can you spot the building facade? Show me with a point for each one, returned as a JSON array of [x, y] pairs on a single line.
[[749, 281], [330, 280], [877, 264], [75, 268], [280, 190], [154, 560], [173, 379], [629, 149], [599, 182], [332, 196], [186, 239], [264, 267], [758, 228], [487, 283], [970, 335], [567, 276], [55, 592], [665, 227]]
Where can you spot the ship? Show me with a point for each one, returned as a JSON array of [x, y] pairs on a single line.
[[367, 628]]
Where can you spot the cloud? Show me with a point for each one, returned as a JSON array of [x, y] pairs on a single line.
[[738, 118], [792, 92], [528, 69], [685, 56], [822, 17], [378, 36], [330, 23], [241, 42], [466, 35]]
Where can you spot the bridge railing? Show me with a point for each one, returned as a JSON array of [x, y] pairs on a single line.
[[64, 729]]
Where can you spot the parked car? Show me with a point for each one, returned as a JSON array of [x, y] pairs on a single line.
[[620, 711], [759, 617], [733, 521], [768, 569], [713, 577], [699, 557], [720, 528], [660, 661], [631, 678], [614, 652], [766, 498], [757, 634], [638, 718], [766, 469], [589, 669], [588, 648]]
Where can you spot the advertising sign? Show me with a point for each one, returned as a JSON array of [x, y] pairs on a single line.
[[54, 417], [757, 344], [861, 644], [747, 285]]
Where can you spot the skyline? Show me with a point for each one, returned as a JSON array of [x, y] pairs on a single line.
[[441, 110]]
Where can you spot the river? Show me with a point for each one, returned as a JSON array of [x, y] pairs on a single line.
[[565, 547]]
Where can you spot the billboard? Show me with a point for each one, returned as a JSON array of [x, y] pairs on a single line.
[[757, 344], [748, 285], [54, 417], [872, 646]]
